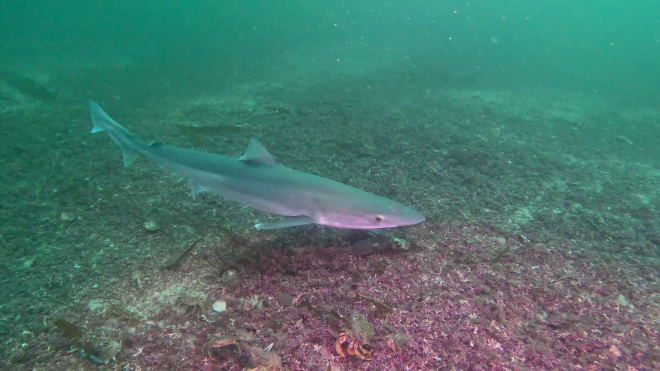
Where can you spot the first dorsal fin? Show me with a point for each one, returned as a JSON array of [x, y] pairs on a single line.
[[257, 154]]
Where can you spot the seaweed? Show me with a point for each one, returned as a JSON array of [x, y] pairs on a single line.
[[314, 310], [381, 308], [338, 316], [177, 263], [500, 255], [69, 328], [27, 86]]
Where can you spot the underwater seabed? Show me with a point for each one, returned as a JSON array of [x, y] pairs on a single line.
[[539, 250]]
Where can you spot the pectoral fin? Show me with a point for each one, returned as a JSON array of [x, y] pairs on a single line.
[[129, 154], [286, 222], [196, 188]]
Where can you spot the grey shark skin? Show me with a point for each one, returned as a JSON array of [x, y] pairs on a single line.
[[256, 180]]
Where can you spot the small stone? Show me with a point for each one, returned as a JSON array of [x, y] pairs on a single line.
[[95, 304], [285, 299], [245, 334], [108, 353], [187, 268], [228, 276], [262, 360], [362, 248], [403, 244], [615, 351], [67, 217], [220, 306], [500, 240], [151, 226], [622, 300], [400, 341], [28, 263], [376, 244]]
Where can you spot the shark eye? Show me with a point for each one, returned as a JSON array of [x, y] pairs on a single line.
[[379, 218]]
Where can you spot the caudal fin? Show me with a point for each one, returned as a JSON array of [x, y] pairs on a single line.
[[124, 138]]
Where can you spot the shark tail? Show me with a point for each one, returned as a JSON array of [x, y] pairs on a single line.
[[124, 138]]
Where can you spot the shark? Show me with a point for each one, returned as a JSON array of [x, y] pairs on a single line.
[[258, 181]]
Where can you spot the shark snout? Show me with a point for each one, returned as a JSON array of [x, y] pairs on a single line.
[[402, 215], [411, 217]]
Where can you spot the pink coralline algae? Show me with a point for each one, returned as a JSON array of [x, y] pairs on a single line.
[[434, 306]]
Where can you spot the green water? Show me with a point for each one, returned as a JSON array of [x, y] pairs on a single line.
[[607, 46]]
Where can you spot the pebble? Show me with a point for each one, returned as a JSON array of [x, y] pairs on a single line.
[[67, 217], [151, 226], [500, 240], [220, 306]]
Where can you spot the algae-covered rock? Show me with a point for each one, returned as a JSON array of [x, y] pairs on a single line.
[[108, 353], [362, 329]]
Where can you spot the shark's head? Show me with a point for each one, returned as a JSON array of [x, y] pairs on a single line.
[[383, 213]]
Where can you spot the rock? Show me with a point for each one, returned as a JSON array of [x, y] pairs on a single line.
[[362, 248], [285, 299], [376, 244], [229, 275], [362, 329], [262, 359], [95, 304], [28, 263], [108, 353]]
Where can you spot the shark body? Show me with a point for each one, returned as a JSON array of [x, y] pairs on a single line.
[[256, 180]]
